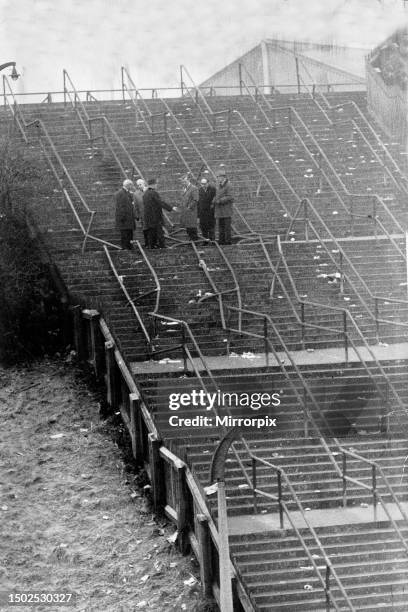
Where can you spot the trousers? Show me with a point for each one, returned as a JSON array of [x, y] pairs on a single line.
[[224, 230]]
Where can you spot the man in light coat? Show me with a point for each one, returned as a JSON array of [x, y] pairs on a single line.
[[139, 207], [188, 218], [125, 213], [223, 202]]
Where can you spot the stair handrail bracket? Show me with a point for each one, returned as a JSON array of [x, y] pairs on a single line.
[[142, 110], [210, 116], [284, 510]]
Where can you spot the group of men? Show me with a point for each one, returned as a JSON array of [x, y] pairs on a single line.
[[206, 204]]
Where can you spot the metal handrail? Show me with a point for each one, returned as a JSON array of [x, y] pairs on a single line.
[[38, 123], [127, 296], [14, 108], [346, 315], [292, 111], [217, 292], [284, 508], [75, 102], [376, 198], [317, 88], [199, 95], [340, 472], [297, 198], [261, 173], [345, 258], [138, 97], [192, 144]]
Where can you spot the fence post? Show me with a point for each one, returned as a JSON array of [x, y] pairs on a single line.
[[302, 317], [65, 88], [203, 537], [182, 509], [111, 390], [136, 427], [240, 78], [156, 470], [96, 341], [77, 324]]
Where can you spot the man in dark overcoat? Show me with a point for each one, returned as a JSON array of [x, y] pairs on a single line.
[[206, 195], [153, 215], [223, 202], [125, 213]]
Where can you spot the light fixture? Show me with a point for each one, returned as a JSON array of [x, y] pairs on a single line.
[[14, 74]]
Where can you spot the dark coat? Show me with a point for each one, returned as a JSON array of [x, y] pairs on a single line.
[[153, 209], [124, 213], [188, 217], [205, 205], [223, 201]]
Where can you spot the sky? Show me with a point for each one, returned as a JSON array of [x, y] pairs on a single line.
[[93, 38]]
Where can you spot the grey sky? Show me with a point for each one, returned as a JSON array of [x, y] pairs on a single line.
[[92, 38]]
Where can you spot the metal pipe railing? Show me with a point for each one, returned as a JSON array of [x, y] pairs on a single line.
[[198, 96], [284, 510]]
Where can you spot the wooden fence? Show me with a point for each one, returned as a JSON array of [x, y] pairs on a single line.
[[174, 488]]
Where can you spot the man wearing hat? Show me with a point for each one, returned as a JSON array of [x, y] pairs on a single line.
[[125, 213], [206, 195], [223, 202], [138, 204], [153, 215], [188, 217]]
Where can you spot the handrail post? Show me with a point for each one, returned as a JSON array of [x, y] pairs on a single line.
[[266, 344], [344, 479], [65, 87], [254, 485], [341, 273], [374, 485], [377, 323], [240, 78], [122, 71], [183, 340], [297, 74], [406, 257], [306, 218], [181, 80], [351, 208], [346, 344], [4, 90], [327, 588], [302, 316], [279, 475]]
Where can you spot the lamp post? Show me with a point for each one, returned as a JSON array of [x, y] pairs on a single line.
[[14, 74]]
